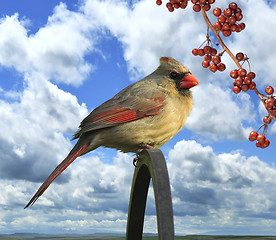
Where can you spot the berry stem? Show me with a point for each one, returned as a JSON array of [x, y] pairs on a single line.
[[225, 48], [207, 35]]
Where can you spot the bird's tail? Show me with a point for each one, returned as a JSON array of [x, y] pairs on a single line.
[[75, 152]]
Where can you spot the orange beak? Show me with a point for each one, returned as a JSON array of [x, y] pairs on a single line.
[[189, 81]]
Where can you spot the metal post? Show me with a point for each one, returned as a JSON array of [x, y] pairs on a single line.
[[151, 165]]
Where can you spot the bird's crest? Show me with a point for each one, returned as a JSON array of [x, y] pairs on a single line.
[[172, 63]]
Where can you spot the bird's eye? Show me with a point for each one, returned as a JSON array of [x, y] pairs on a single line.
[[173, 75]]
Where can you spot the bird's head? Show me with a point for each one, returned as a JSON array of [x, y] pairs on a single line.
[[177, 72]]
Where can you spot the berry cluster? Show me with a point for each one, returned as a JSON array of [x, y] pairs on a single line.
[[262, 141], [174, 4], [198, 4], [270, 105], [211, 59], [270, 101], [227, 20], [243, 80], [204, 4]]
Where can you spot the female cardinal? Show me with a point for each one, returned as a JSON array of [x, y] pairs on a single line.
[[146, 114]]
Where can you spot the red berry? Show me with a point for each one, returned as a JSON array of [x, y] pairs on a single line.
[[233, 27], [184, 4], [266, 143], [253, 136], [195, 51], [242, 26], [217, 26], [238, 10], [211, 1], [201, 52], [252, 75], [252, 85], [260, 138], [206, 7], [214, 52], [258, 144], [158, 2], [270, 103], [216, 59], [238, 81], [169, 5], [234, 73], [207, 50], [221, 67], [267, 120], [202, 2], [232, 20], [213, 67], [240, 56], [197, 8], [194, 1], [171, 9], [227, 12], [221, 19], [242, 72], [176, 5], [238, 16], [273, 112], [247, 80], [236, 89], [233, 6], [238, 28], [205, 64], [226, 33], [269, 90], [216, 11], [244, 87], [225, 26], [208, 58]]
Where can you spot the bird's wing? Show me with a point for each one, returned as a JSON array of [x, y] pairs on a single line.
[[116, 111]]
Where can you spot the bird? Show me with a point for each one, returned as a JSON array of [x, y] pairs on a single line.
[[144, 115]]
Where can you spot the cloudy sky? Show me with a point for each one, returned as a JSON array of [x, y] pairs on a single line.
[[60, 60]]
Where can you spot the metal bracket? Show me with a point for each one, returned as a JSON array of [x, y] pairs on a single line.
[[151, 165]]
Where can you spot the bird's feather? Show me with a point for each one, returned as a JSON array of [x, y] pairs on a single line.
[[75, 152]]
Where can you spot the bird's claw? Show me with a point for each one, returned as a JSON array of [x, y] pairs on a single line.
[[143, 146], [135, 160]]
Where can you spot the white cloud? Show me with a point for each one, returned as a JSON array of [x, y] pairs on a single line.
[[13, 43], [35, 119], [217, 115], [94, 198], [35, 125], [57, 50], [221, 189], [147, 32]]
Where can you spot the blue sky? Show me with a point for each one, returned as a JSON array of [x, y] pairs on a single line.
[[60, 60]]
